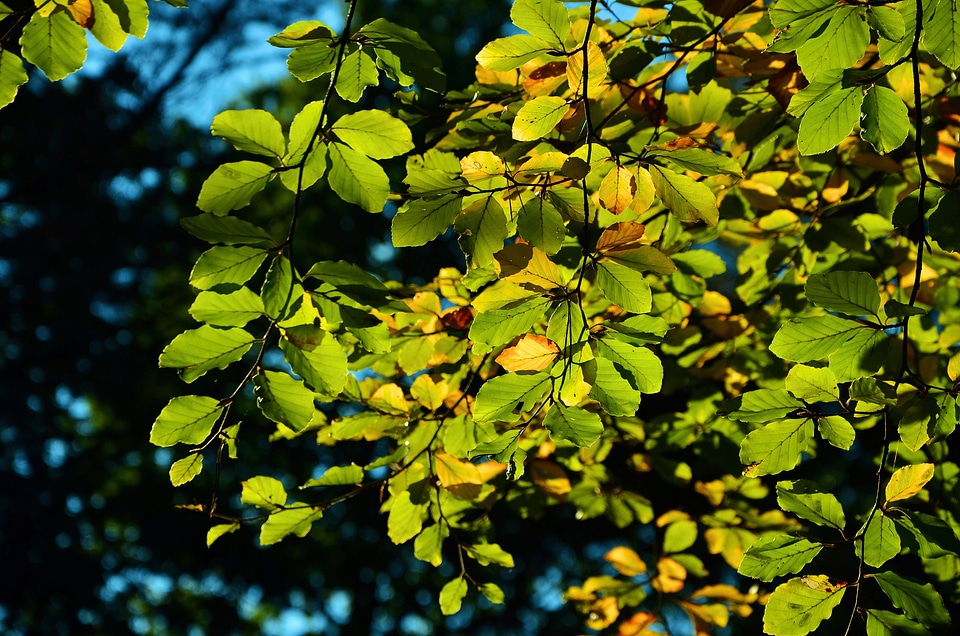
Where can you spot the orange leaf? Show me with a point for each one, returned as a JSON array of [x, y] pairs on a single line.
[[637, 624], [617, 190], [82, 12], [620, 236], [550, 478], [626, 561], [531, 353]]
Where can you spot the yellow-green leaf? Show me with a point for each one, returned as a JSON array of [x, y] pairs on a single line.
[[184, 470], [56, 44], [538, 117], [908, 481]]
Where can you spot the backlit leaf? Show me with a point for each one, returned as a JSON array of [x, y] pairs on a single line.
[[820, 508], [498, 397], [422, 220], [188, 419], [775, 555], [829, 120], [337, 476], [908, 481], [617, 190], [538, 117], [452, 594], [374, 133], [184, 470], [255, 131], [851, 293], [643, 368], [232, 186], [799, 606], [227, 310], [919, 601], [689, 200], [357, 72], [884, 623], [283, 399], [56, 44], [885, 124], [263, 492], [197, 351], [531, 353], [226, 266], [228, 230], [357, 179], [941, 32], [812, 384], [12, 76], [813, 338], [776, 447], [506, 54], [573, 424], [545, 19], [880, 543], [296, 520], [624, 286]]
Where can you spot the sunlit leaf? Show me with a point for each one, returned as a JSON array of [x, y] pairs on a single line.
[[908, 481], [56, 44], [296, 520], [374, 133], [775, 555], [546, 19], [188, 419], [226, 266], [880, 543], [197, 351], [820, 508], [506, 54], [531, 353], [851, 293], [227, 310], [919, 601], [884, 124], [799, 606], [12, 76], [576, 425], [184, 470], [232, 186], [357, 179], [538, 117], [775, 447], [255, 131], [689, 200], [451, 595], [337, 476]]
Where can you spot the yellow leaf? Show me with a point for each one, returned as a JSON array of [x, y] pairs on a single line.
[[550, 478], [528, 267], [429, 393], [670, 516], [836, 187], [481, 165], [626, 561], [617, 190], [531, 353], [603, 612], [461, 478], [545, 79], [596, 70], [671, 577], [389, 398], [908, 481]]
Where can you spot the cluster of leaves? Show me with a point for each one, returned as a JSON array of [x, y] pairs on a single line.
[[706, 244], [51, 35]]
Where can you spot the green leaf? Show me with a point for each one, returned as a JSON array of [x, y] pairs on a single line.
[[884, 123], [573, 424], [228, 230], [813, 338], [624, 286], [851, 293], [226, 266], [12, 76], [309, 62], [283, 399], [452, 594], [775, 555], [839, 45], [357, 72], [894, 309], [941, 32], [303, 129], [545, 19], [187, 419], [943, 226], [765, 405], [860, 356], [106, 26], [914, 425], [217, 531], [688, 200], [428, 545], [829, 120], [482, 227], [614, 393], [263, 492], [374, 133], [404, 56], [302, 33], [919, 601], [702, 263], [643, 259], [55, 44], [679, 536], [538, 117], [871, 391], [184, 470], [406, 518], [883, 623], [337, 476], [642, 366], [322, 366], [227, 310], [776, 447], [500, 396], [282, 293], [506, 54], [422, 220], [887, 22], [880, 542], [296, 520], [802, 500], [487, 553], [357, 179], [935, 537], [541, 225], [498, 326], [254, 131], [703, 161], [812, 384], [837, 430], [492, 592], [232, 186], [197, 351], [799, 606], [132, 15]]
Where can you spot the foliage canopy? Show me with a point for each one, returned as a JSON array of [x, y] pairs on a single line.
[[712, 265]]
